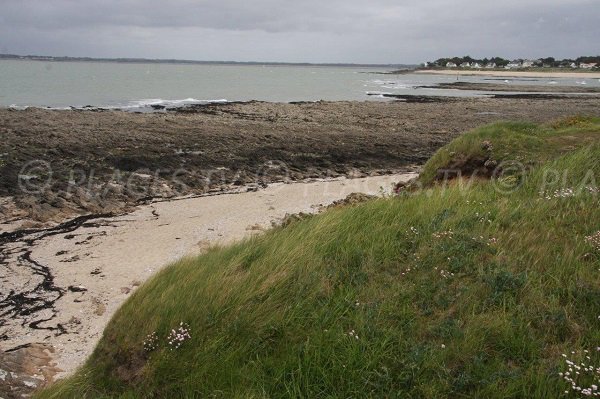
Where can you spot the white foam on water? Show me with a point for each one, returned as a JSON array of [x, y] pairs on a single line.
[[382, 82], [149, 102], [391, 85], [142, 104]]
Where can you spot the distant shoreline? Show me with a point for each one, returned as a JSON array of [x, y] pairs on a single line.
[[528, 74], [193, 62]]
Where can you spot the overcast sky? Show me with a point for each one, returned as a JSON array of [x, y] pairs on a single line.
[[360, 31]]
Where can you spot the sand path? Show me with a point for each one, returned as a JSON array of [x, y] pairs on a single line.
[[96, 265]]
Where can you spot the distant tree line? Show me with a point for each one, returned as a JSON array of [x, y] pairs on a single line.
[[502, 62]]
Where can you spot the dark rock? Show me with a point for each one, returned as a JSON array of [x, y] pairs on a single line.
[[77, 288]]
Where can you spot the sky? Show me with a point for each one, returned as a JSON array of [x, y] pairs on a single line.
[[344, 31]]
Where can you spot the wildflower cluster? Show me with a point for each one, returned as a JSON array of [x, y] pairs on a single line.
[[489, 242], [416, 259], [561, 193], [592, 189], [178, 336], [414, 231], [568, 192], [151, 342], [443, 234], [175, 339], [484, 217], [405, 272], [352, 334], [445, 273], [474, 202], [594, 240], [583, 377]]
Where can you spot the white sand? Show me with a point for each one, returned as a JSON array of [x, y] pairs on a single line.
[[133, 247], [508, 73]]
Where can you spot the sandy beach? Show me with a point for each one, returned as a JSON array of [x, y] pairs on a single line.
[[98, 264], [516, 74]]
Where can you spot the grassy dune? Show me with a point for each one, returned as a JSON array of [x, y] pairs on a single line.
[[473, 288]]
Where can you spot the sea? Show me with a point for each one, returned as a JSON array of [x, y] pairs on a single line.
[[144, 86]]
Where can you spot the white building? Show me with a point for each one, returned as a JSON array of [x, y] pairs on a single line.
[[491, 65], [476, 65], [465, 65], [588, 65], [513, 64], [527, 64], [451, 65]]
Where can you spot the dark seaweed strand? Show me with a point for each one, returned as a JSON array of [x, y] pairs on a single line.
[[46, 293]]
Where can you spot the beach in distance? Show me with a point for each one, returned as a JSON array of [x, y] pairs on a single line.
[[513, 74]]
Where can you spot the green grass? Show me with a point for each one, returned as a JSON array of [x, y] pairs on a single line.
[[485, 311]]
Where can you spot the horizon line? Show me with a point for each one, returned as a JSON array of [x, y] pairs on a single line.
[[187, 61]]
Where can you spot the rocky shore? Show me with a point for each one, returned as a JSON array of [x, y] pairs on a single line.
[[60, 164]]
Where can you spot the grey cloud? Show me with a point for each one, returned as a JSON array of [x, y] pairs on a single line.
[[308, 30]]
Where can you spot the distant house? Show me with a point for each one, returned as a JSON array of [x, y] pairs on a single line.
[[513, 64], [573, 65], [465, 65], [527, 64], [588, 65], [476, 65], [451, 65], [491, 65]]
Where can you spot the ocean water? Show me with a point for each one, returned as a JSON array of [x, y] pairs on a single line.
[[137, 86]]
